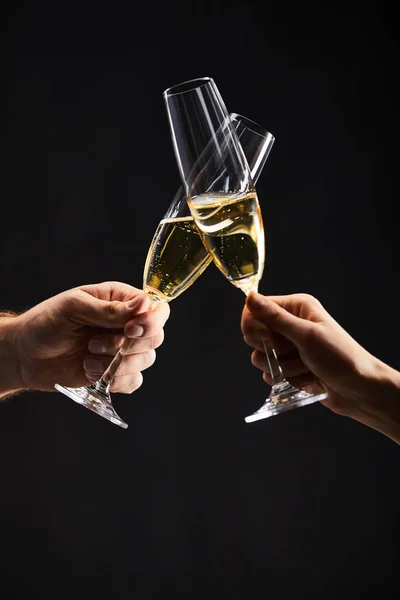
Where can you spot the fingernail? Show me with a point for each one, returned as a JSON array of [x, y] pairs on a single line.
[[97, 346], [92, 365], [135, 331]]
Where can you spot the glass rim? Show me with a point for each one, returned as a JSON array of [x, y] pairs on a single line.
[[253, 126], [180, 88]]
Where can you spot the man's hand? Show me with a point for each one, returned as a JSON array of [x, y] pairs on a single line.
[[71, 338]]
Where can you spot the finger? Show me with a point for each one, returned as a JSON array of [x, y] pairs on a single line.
[[283, 347], [127, 384], [109, 344], [303, 306], [111, 291], [256, 334], [95, 366], [252, 327], [254, 343], [124, 384], [84, 309], [276, 318], [290, 367], [148, 324]]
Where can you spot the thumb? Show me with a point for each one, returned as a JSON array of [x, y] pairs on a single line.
[[275, 317], [88, 310]]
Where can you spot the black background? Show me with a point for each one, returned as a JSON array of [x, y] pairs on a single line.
[[190, 500]]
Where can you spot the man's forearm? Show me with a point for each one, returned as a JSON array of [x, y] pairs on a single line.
[[10, 377]]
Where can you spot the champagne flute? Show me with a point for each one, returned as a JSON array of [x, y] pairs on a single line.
[[176, 258], [223, 202]]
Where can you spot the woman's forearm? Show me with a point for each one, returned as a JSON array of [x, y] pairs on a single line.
[[380, 406]]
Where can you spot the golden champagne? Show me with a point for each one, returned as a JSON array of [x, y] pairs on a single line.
[[232, 230], [176, 258]]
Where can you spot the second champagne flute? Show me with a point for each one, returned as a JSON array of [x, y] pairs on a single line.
[[223, 201]]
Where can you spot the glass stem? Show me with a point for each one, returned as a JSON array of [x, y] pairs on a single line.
[[107, 378], [104, 383], [273, 365], [275, 368]]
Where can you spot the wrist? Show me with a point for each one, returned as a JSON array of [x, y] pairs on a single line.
[[380, 405], [10, 371]]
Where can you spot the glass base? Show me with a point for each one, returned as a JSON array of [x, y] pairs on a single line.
[[93, 399], [284, 397]]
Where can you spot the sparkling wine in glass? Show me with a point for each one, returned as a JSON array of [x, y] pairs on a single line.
[[176, 258], [177, 254], [223, 202]]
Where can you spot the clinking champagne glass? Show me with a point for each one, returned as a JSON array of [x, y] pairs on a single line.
[[177, 255], [223, 202], [176, 258]]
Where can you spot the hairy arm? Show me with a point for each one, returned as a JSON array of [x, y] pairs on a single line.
[[10, 376]]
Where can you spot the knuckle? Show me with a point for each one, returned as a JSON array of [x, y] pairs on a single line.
[[267, 378], [70, 302], [112, 308], [257, 359], [158, 339], [166, 310], [136, 382], [127, 384], [310, 300], [250, 323], [245, 326], [274, 317], [149, 358], [305, 297], [250, 328], [256, 344], [248, 340]]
